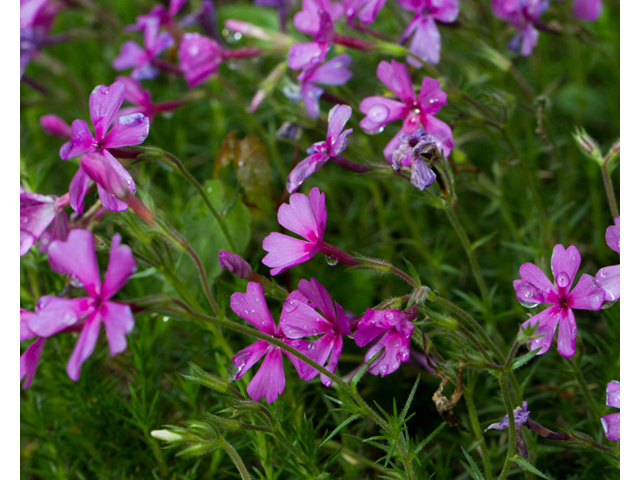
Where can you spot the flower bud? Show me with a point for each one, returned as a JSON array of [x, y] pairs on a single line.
[[588, 145], [235, 264], [166, 435], [54, 125]]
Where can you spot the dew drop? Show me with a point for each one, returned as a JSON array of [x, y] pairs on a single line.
[[332, 261], [75, 282], [528, 295], [165, 319], [314, 332], [562, 280], [373, 132], [24, 220], [233, 370], [383, 370], [378, 113], [289, 306], [305, 327], [246, 312], [395, 366]]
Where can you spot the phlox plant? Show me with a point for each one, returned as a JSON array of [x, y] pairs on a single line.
[[319, 239]]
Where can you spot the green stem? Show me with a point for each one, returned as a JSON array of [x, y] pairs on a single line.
[[221, 222], [475, 342], [477, 431], [595, 410], [611, 196], [512, 427], [512, 354], [244, 473]]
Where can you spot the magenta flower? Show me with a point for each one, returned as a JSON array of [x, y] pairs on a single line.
[[611, 422], [303, 55], [77, 257], [380, 111], [535, 288], [36, 18], [521, 14], [129, 130], [588, 10], [200, 58], [235, 264], [54, 125], [269, 380], [42, 217], [300, 319], [365, 10], [426, 37], [306, 216], [391, 330], [141, 98], [158, 13], [308, 20], [320, 152], [608, 278], [31, 357], [141, 60]]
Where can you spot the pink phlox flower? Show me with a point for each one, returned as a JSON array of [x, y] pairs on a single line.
[[141, 97], [390, 329], [77, 257], [415, 110], [158, 13], [305, 216], [200, 58], [588, 10], [31, 357], [426, 37], [141, 60], [269, 380], [611, 422], [608, 278], [54, 125], [42, 217], [521, 14], [36, 19], [320, 152], [535, 288], [409, 154], [365, 10], [104, 103], [299, 319], [235, 264], [309, 20]]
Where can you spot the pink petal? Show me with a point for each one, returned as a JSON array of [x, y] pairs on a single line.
[[199, 57], [118, 322], [35, 219], [247, 357], [121, 267], [304, 170], [338, 118], [369, 11], [531, 273], [54, 125], [303, 55], [84, 346], [613, 394], [110, 201], [431, 98], [160, 43], [104, 103], [252, 306], [608, 279], [425, 43], [307, 20], [78, 190], [392, 146], [446, 10], [395, 76], [319, 352], [317, 201], [588, 10], [411, 5], [29, 361], [235, 264], [334, 72], [547, 321], [310, 95], [567, 333], [25, 331], [319, 297], [108, 173], [77, 257], [587, 295], [298, 217], [269, 380], [396, 351], [303, 346], [336, 351], [175, 6], [529, 40], [131, 55], [54, 314], [133, 91], [81, 141], [128, 130], [299, 320], [611, 425], [612, 236], [285, 252], [379, 111], [565, 261], [441, 132]]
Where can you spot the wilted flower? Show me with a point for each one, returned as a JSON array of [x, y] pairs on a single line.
[[608, 278], [42, 217], [410, 152], [588, 10], [535, 288], [77, 257], [320, 152], [299, 319], [521, 14], [611, 422]]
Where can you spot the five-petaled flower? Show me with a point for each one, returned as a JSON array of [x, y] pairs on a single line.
[[521, 14], [535, 288], [608, 278], [320, 152], [299, 319], [269, 380], [414, 110], [391, 329], [77, 257], [306, 216], [611, 422], [104, 103]]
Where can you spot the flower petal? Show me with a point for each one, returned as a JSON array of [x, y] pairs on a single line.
[[532, 274], [78, 189], [547, 321], [285, 252], [611, 425], [567, 333], [319, 351], [319, 297], [133, 92], [84, 346], [25, 331], [431, 98], [104, 103], [317, 201], [379, 111], [441, 132], [396, 351], [54, 314], [304, 170], [118, 322], [303, 55], [338, 118], [110, 201], [425, 42], [588, 10], [29, 361], [121, 267], [77, 257], [247, 358], [613, 394], [587, 295], [131, 55], [299, 320], [269, 380], [128, 130], [612, 236], [310, 95], [298, 217], [252, 306], [334, 72], [395, 76], [81, 141]]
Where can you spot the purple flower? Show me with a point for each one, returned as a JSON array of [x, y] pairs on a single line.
[[588, 10], [611, 422], [608, 278], [141, 60], [158, 13], [535, 288], [206, 17], [200, 58], [521, 14], [391, 330], [309, 20], [36, 18], [365, 10], [414, 110], [320, 152], [269, 380], [521, 417], [426, 37], [42, 217], [235, 264], [306, 216], [104, 103], [135, 94], [54, 125], [409, 152], [30, 358], [300, 319], [77, 257]]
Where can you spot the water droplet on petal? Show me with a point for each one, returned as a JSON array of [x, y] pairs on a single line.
[[378, 113], [246, 312], [75, 282], [562, 280], [528, 295], [395, 366], [24, 220], [289, 306], [314, 331], [373, 132], [332, 261], [305, 327], [383, 370], [234, 371]]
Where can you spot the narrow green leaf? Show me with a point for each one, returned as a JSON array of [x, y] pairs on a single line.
[[356, 378], [528, 467], [475, 471], [427, 440], [412, 271], [524, 359], [407, 405], [340, 427], [483, 240]]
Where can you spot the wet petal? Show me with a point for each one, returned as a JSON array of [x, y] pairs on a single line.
[[317, 201], [77, 257], [304, 170], [431, 98], [565, 261], [252, 306], [380, 111], [299, 320], [532, 274], [104, 103], [298, 217], [334, 72], [78, 189], [269, 380], [54, 314], [319, 297], [587, 295], [319, 352], [128, 130], [81, 141], [547, 321], [84, 346], [567, 333], [613, 394], [29, 361], [285, 252], [611, 425], [338, 117], [118, 322], [395, 76], [302, 55], [121, 267], [425, 42], [247, 358]]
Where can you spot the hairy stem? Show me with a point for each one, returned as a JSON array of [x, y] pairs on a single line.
[[512, 427]]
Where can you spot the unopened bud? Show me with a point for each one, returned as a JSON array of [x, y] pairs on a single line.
[[588, 145], [235, 264], [166, 435], [422, 294], [54, 125]]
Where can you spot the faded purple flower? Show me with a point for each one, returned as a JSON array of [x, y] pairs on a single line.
[[36, 18], [269, 380], [200, 58], [521, 14], [588, 10], [391, 330], [42, 217], [77, 257], [611, 422], [410, 153], [104, 103], [426, 37], [415, 110], [608, 278], [535, 288], [135, 94], [54, 125], [521, 417], [306, 216], [320, 152], [141, 60], [235, 264], [365, 10], [299, 319]]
